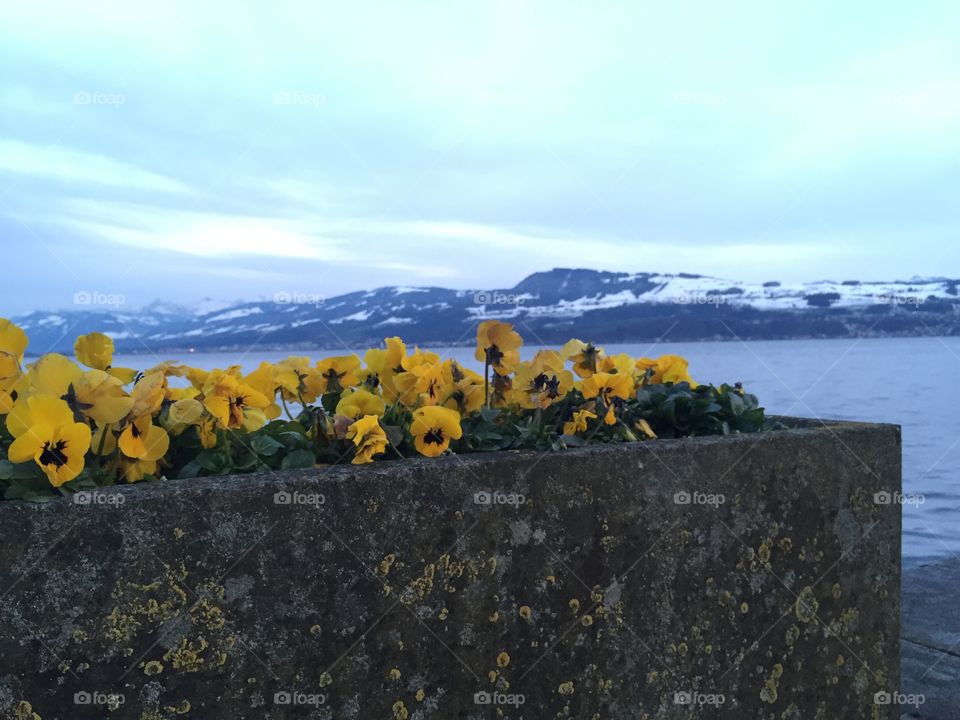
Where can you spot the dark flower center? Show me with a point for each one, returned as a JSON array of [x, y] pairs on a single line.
[[435, 435], [494, 356], [54, 455]]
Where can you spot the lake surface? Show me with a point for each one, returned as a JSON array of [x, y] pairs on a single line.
[[907, 381]]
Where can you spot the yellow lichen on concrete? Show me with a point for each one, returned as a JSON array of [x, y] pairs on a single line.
[[325, 679], [394, 674], [420, 695], [503, 659], [525, 612], [152, 667], [806, 606], [387, 563], [566, 688], [400, 711], [23, 710], [188, 655], [770, 690]]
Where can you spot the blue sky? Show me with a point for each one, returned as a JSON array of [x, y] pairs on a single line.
[[182, 150]]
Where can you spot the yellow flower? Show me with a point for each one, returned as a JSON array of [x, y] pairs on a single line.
[[232, 402], [264, 381], [665, 369], [360, 403], [13, 340], [433, 428], [142, 440], [46, 433], [206, 431], [542, 381], [13, 343], [382, 366], [584, 356], [184, 413], [338, 373], [498, 345], [609, 387], [368, 437], [95, 350], [53, 374], [100, 397], [297, 380], [463, 388], [414, 367], [133, 470], [579, 422], [643, 427]]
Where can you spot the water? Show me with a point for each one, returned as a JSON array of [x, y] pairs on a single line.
[[897, 380]]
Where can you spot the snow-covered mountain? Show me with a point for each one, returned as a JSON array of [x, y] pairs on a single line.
[[547, 307]]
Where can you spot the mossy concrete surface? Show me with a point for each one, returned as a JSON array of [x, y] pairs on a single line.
[[750, 576]]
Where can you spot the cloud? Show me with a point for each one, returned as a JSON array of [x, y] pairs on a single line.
[[61, 163]]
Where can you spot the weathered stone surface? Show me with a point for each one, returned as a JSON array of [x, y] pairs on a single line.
[[400, 596], [930, 649]]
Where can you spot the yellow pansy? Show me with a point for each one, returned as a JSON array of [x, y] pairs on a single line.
[[13, 340], [463, 388], [609, 387], [52, 374], [665, 369], [233, 403], [579, 422], [542, 381], [382, 365], [360, 403], [134, 470], [433, 428], [584, 356], [100, 397], [414, 367], [142, 440], [184, 413], [368, 437], [297, 379], [264, 381], [498, 346], [46, 433], [338, 373], [95, 350]]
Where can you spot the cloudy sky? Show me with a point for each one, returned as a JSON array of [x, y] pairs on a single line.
[[184, 150]]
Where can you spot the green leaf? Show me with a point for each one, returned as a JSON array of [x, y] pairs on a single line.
[[265, 445], [298, 459]]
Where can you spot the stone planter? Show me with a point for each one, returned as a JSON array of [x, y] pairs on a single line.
[[751, 576]]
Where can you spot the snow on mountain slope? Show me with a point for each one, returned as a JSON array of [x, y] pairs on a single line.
[[554, 304]]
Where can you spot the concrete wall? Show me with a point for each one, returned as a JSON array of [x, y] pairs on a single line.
[[754, 576]]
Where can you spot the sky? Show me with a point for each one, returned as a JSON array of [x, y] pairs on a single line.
[[189, 150]]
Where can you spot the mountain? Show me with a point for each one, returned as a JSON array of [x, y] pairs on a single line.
[[547, 307]]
